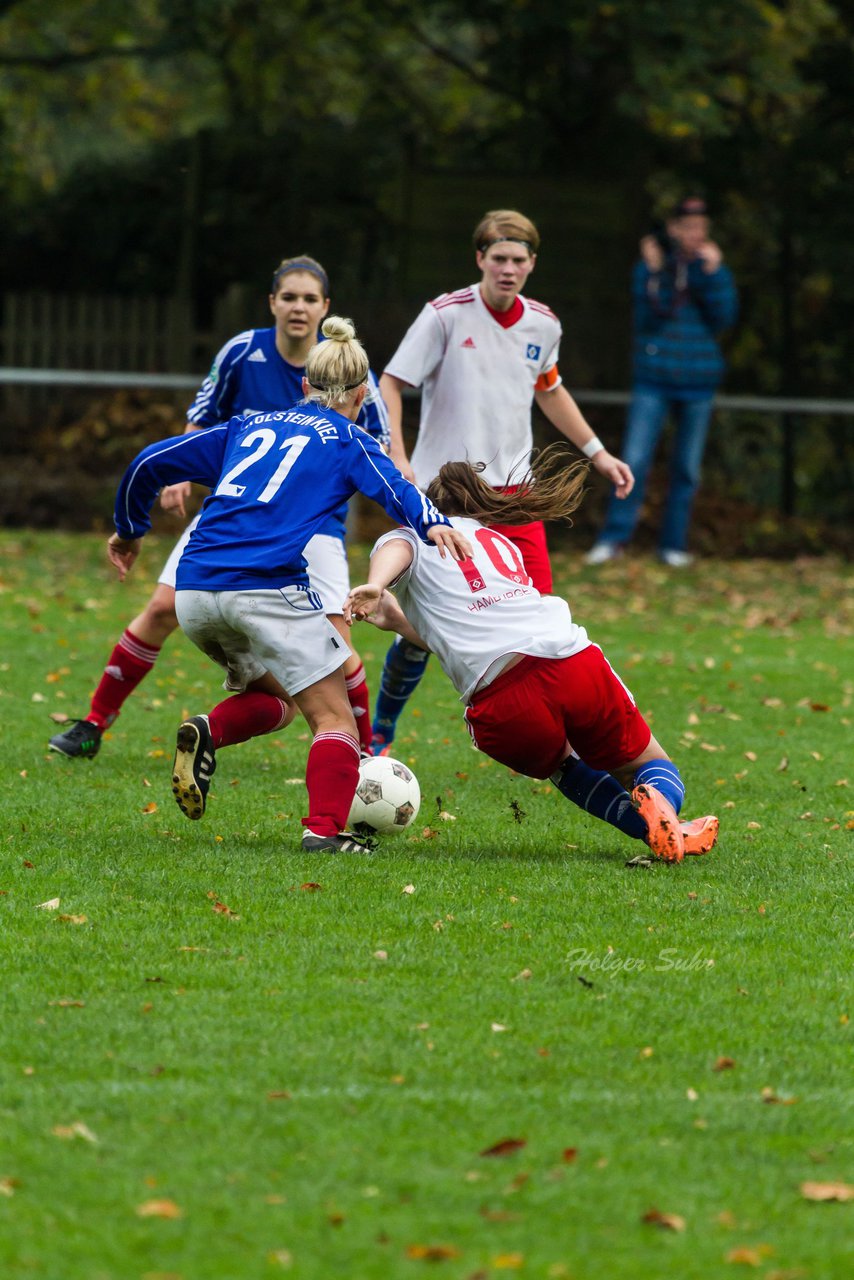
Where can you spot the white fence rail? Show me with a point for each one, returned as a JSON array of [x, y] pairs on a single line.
[[190, 381]]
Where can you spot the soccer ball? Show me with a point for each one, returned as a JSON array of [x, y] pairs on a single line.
[[387, 798]]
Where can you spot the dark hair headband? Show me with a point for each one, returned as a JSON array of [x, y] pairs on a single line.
[[347, 386], [487, 244], [300, 264]]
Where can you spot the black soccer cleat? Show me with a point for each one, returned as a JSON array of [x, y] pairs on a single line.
[[81, 738], [344, 842], [194, 766]]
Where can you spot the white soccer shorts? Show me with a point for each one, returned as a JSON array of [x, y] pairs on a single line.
[[284, 631], [328, 571]]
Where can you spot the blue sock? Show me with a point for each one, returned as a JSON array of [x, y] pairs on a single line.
[[601, 794], [402, 670], [664, 776]]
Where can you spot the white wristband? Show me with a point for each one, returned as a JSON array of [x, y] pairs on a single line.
[[592, 447]]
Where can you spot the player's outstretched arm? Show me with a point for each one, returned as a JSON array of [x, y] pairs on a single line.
[[173, 497], [122, 552], [448, 539], [388, 562], [368, 603]]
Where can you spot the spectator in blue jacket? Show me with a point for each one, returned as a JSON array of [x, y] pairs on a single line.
[[684, 296]]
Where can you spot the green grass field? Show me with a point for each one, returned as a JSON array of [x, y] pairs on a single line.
[[223, 1059]]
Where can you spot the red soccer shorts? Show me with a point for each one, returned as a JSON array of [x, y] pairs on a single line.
[[531, 541], [524, 718]]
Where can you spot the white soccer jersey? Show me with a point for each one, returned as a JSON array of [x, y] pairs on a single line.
[[473, 612], [478, 381]]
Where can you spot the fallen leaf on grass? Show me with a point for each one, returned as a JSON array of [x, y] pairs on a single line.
[[67, 1004], [724, 1064], [768, 1095], [569, 1154], [52, 904], [506, 1147], [827, 1191], [508, 1261], [408, 888], [76, 1130], [497, 1026], [310, 886], [522, 976], [276, 1095], [59, 717], [158, 1209], [667, 1221], [66, 919], [750, 1256], [432, 1252], [221, 909], [151, 807], [8, 1185]]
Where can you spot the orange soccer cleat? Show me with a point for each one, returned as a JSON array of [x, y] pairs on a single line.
[[699, 835], [664, 835]]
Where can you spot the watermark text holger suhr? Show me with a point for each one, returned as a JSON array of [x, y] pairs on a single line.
[[610, 963]]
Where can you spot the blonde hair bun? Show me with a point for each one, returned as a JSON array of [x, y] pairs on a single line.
[[335, 368], [337, 329]]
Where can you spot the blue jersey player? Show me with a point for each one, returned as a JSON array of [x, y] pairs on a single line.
[[260, 369], [243, 594]]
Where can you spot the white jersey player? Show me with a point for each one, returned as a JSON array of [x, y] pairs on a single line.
[[483, 356], [540, 697]]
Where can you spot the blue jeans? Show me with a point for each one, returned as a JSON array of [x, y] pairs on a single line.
[[647, 414]]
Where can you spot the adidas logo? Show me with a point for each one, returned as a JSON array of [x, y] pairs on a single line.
[[258, 356], [469, 342]]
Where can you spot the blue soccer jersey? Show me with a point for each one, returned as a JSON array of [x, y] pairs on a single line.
[[275, 477], [249, 375]]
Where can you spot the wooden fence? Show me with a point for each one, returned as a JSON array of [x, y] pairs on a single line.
[[100, 332], [79, 331]]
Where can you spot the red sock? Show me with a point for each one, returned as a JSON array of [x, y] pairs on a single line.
[[130, 662], [357, 692], [331, 775], [247, 715]]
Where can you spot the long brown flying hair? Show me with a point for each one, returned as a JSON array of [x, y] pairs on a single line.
[[550, 489]]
